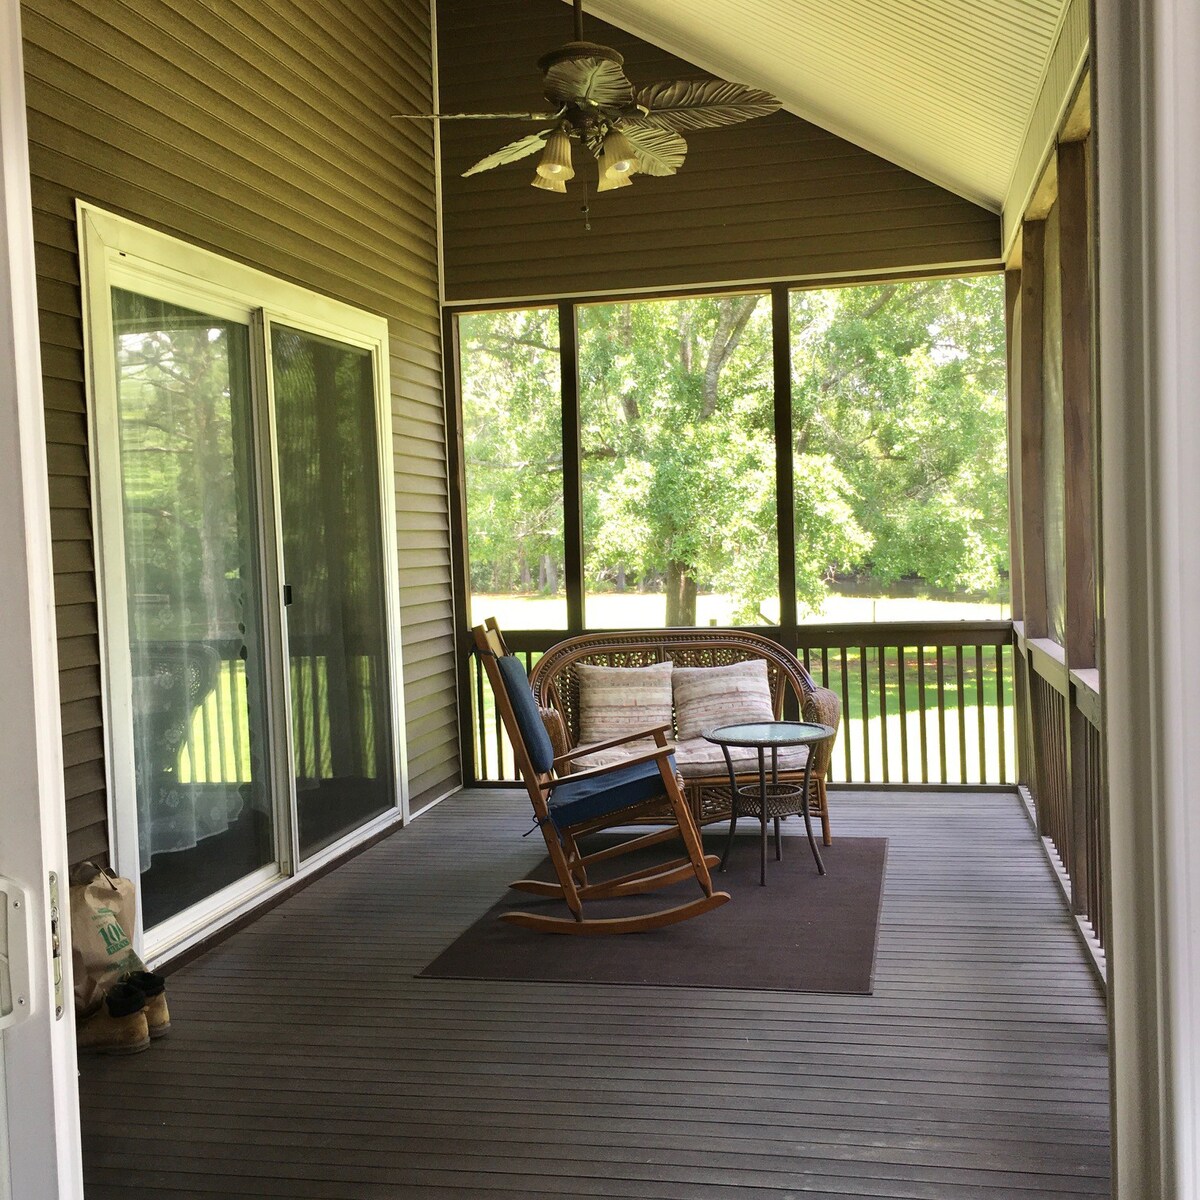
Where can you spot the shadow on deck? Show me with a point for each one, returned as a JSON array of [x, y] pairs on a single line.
[[307, 1061]]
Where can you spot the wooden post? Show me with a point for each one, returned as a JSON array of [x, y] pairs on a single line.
[[785, 477], [568, 341], [1078, 424], [1033, 545], [1013, 340], [1079, 481], [460, 575], [1030, 486]]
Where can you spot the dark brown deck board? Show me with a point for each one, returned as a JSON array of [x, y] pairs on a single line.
[[306, 1060]]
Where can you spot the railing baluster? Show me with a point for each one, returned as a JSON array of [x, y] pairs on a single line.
[[1000, 714], [941, 700], [846, 714], [222, 750], [883, 729], [234, 678], [962, 713], [979, 714], [901, 666], [865, 713], [924, 730], [480, 718]]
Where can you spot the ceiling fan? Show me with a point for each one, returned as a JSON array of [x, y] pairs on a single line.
[[626, 129]]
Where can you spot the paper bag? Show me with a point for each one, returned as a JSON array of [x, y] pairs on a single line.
[[103, 918]]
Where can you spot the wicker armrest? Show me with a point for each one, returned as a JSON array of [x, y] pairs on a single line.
[[556, 727], [824, 708]]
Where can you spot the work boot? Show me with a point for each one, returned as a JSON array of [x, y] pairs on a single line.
[[118, 1026], [154, 988]]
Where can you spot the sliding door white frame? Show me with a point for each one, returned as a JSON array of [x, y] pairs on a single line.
[[115, 251]]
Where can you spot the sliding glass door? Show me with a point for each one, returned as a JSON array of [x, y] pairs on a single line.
[[193, 601], [248, 574], [334, 583]]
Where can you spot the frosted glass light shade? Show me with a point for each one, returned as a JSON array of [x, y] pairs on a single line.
[[611, 179], [549, 185], [618, 157], [556, 158]]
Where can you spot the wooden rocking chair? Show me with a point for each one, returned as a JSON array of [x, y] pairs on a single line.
[[584, 802]]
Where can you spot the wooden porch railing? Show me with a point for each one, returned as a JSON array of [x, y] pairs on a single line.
[[922, 704], [1062, 768]]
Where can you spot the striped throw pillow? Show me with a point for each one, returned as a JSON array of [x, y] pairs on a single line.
[[707, 697], [614, 701]]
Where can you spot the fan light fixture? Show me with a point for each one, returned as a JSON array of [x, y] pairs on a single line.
[[626, 130], [618, 156], [556, 159]]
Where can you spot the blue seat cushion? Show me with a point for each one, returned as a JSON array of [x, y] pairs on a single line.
[[529, 720], [576, 801]]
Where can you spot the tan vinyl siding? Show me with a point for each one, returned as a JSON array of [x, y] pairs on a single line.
[[261, 132], [776, 198]]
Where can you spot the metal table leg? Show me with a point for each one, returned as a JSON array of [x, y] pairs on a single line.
[[762, 809], [774, 784], [807, 817], [733, 808]]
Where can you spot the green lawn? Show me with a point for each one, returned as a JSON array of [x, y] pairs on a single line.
[[635, 610]]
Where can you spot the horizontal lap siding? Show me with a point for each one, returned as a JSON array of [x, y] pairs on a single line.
[[261, 132], [775, 198]]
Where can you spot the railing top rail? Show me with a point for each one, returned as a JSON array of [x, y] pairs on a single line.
[[815, 637]]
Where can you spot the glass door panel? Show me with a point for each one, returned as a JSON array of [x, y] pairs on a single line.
[[192, 555], [337, 641]]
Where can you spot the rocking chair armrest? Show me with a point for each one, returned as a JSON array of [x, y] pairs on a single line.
[[595, 772], [598, 746]]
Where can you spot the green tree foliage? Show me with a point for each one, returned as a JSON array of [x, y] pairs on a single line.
[[512, 435], [898, 409], [679, 452], [902, 385]]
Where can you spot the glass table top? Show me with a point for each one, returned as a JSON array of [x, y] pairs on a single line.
[[768, 733]]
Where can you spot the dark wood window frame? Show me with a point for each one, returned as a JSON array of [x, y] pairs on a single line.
[[788, 631]]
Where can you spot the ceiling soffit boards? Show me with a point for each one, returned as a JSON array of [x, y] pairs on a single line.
[[944, 88]]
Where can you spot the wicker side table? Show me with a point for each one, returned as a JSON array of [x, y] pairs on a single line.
[[769, 799]]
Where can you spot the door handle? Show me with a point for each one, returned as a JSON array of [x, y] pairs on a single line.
[[15, 1000], [287, 594]]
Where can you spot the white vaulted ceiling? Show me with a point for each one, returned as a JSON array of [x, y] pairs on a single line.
[[948, 89]]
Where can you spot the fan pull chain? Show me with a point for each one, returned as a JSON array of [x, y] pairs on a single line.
[[585, 208]]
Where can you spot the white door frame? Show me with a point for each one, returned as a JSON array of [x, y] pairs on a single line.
[[1147, 132], [39, 1133]]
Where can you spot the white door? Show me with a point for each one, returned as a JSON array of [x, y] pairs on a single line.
[[39, 1103]]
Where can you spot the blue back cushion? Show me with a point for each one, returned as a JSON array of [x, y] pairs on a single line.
[[529, 720]]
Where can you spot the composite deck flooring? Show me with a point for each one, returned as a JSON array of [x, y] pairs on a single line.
[[307, 1060]]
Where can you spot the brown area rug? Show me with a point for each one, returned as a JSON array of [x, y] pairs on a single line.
[[800, 933]]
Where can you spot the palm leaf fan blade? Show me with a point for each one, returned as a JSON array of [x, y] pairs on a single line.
[[588, 82], [690, 104], [659, 151], [513, 152]]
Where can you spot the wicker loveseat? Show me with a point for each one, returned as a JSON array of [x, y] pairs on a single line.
[[555, 683]]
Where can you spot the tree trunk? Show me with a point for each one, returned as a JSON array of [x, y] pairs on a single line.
[[621, 578], [549, 575], [681, 595], [526, 575]]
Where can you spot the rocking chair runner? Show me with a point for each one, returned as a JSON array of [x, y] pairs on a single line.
[[584, 802]]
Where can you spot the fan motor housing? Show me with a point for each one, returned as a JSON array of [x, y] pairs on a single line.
[[574, 50]]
